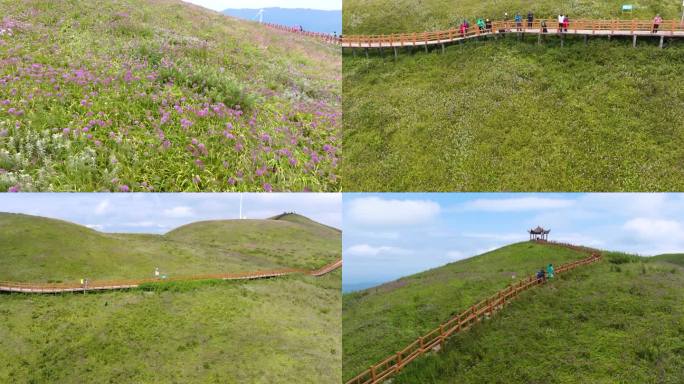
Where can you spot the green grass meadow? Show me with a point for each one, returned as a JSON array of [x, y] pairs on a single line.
[[514, 116], [221, 332]]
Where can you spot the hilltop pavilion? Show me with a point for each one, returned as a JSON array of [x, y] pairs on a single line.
[[539, 233]]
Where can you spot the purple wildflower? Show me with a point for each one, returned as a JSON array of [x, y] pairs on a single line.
[[124, 188], [267, 187], [14, 188]]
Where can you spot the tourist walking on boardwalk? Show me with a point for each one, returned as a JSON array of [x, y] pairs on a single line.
[[481, 24], [545, 29], [488, 25], [541, 275], [656, 23], [518, 21], [561, 19], [530, 19], [566, 23], [549, 271]]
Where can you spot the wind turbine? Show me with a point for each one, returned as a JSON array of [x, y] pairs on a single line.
[[260, 16], [241, 206]]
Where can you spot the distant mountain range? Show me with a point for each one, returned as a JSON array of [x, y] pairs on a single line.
[[313, 20]]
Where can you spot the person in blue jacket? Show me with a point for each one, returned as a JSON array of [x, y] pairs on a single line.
[[549, 271], [518, 21]]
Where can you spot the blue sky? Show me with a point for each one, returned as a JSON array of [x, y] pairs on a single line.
[[219, 5], [159, 213], [387, 236]]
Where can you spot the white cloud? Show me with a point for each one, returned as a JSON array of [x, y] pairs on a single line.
[[381, 235], [179, 212], [653, 229], [369, 250], [517, 204], [456, 255], [96, 227], [103, 207], [378, 211], [497, 236]]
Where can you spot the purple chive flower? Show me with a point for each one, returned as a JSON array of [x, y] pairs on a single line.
[[166, 144], [14, 188], [185, 123], [232, 181], [327, 148], [194, 141], [267, 187], [293, 161], [4, 133], [261, 171], [265, 137], [66, 131], [124, 188]]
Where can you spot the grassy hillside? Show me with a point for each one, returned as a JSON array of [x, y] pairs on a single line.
[[603, 324], [508, 115], [671, 258], [39, 249], [382, 320], [385, 16], [214, 332], [142, 95]]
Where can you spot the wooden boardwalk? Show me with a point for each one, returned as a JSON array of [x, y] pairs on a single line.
[[435, 339], [9, 286], [586, 28]]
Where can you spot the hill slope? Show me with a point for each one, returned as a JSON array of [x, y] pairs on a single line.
[[604, 324], [677, 259], [39, 249], [162, 95], [509, 115], [384, 16], [382, 320]]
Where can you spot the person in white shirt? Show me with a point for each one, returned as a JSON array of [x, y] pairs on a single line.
[[561, 19]]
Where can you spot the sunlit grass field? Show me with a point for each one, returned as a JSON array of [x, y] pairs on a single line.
[[161, 95]]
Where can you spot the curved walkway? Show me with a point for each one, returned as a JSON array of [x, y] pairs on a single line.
[[634, 28], [435, 339], [8, 286]]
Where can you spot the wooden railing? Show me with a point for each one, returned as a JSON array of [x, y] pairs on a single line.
[[435, 339], [672, 28], [325, 37], [11, 286]]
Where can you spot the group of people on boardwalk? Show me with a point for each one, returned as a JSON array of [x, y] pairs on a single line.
[[484, 25], [542, 274]]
